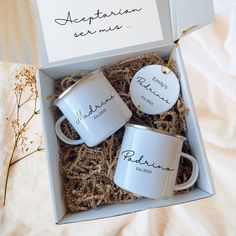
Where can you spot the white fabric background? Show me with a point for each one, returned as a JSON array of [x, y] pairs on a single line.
[[210, 59]]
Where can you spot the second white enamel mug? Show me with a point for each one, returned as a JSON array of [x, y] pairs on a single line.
[[148, 163]]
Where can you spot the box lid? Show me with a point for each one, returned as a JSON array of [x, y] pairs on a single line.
[[73, 31], [186, 13]]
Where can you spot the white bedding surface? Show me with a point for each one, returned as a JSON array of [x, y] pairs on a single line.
[[210, 59]]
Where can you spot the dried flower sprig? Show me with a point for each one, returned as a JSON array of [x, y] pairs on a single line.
[[25, 91], [38, 149]]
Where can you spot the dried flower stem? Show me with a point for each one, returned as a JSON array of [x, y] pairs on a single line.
[[18, 100], [7, 175], [38, 149], [15, 146], [25, 78], [27, 100]]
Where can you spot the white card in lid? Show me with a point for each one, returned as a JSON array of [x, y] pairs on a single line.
[[75, 29], [170, 19]]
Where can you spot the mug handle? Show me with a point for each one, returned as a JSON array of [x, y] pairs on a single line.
[[195, 172], [62, 137]]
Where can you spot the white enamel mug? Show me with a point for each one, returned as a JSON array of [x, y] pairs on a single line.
[[93, 108], [148, 163]]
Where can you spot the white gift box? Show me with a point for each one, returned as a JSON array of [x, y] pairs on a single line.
[[57, 59]]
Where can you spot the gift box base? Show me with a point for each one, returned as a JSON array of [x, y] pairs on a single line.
[[46, 76]]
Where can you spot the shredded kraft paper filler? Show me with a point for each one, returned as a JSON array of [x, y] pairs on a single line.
[[88, 172]]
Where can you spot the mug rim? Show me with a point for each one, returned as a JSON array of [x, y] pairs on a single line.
[[156, 130], [74, 85]]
